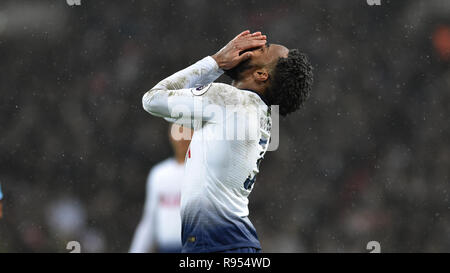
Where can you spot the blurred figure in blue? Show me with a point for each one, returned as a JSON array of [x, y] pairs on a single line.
[[1, 202]]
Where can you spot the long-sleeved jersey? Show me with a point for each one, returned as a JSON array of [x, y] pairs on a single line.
[[160, 226], [231, 135]]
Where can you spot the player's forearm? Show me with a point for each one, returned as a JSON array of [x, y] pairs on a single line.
[[143, 238], [201, 73]]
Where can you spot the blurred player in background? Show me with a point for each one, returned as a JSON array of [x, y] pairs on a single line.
[[160, 226], [221, 171]]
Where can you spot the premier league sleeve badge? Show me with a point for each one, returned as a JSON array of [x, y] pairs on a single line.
[[200, 90]]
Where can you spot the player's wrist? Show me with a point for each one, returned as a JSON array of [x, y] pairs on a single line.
[[218, 61]]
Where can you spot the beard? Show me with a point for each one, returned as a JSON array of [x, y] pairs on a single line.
[[237, 72]]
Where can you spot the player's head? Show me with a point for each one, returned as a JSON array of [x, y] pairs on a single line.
[[180, 138], [284, 77]]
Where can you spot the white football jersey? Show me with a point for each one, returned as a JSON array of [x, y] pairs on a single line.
[[231, 135], [160, 225]]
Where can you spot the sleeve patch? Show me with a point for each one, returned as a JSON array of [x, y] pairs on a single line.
[[200, 90]]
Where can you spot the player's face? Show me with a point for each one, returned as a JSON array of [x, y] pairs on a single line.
[[262, 56], [268, 54]]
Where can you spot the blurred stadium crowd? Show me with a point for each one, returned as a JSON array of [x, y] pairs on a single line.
[[368, 158]]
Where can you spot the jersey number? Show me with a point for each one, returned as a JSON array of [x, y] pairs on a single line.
[[248, 183]]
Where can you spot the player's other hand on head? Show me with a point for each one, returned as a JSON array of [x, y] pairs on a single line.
[[235, 51]]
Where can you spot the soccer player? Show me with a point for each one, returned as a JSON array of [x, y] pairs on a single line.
[[160, 226], [220, 172]]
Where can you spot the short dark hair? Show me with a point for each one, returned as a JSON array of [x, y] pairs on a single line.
[[291, 82]]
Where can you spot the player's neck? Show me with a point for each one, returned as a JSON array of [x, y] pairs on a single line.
[[179, 158], [243, 85]]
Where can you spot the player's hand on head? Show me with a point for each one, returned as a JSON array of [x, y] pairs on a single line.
[[233, 53]]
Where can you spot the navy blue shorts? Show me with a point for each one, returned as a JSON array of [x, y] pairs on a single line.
[[242, 250]]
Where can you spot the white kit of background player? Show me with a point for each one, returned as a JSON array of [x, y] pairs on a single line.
[[219, 171], [160, 226]]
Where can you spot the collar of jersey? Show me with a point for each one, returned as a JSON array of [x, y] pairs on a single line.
[[260, 96]]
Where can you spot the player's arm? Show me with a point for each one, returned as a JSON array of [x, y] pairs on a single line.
[[143, 240], [174, 96]]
